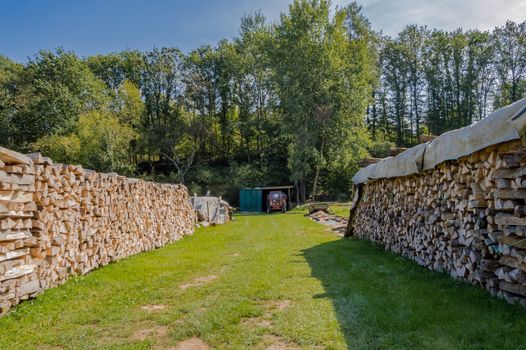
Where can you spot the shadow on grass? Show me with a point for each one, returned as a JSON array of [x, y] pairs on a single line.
[[383, 301]]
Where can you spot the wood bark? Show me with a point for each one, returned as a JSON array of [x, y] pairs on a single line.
[[466, 217], [62, 220]]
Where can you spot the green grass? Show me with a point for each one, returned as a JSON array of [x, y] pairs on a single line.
[[340, 209], [341, 294]]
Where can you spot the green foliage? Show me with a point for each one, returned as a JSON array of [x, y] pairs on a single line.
[[105, 142], [433, 81], [380, 149], [300, 100], [65, 149], [9, 75], [128, 104], [324, 77], [55, 89], [510, 48], [115, 68], [161, 87], [99, 142]]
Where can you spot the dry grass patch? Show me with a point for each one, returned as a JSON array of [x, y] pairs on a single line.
[[273, 306], [153, 307], [193, 343], [279, 305], [199, 282], [273, 342], [155, 333], [257, 322]]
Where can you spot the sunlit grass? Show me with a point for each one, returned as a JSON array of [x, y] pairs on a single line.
[[340, 209], [338, 293]]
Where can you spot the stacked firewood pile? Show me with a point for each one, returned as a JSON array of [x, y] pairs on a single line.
[[466, 217], [62, 220], [18, 273]]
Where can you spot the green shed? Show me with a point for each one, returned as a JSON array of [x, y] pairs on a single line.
[[255, 199], [251, 200]]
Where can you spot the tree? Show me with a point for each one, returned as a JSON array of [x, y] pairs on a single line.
[[61, 148], [323, 85], [484, 74], [115, 68], [510, 46], [201, 84], [9, 75], [396, 79], [99, 141], [412, 38], [182, 156], [162, 88], [55, 89], [128, 104], [256, 96]]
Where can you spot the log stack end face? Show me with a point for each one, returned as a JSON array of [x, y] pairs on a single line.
[[466, 217], [61, 220]]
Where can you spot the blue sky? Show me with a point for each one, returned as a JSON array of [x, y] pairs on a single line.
[[101, 26]]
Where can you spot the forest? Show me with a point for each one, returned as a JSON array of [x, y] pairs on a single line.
[[300, 100]]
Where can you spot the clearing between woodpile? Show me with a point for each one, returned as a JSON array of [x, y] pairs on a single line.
[[294, 286]]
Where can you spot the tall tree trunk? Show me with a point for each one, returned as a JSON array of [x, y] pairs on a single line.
[[302, 190], [297, 192], [415, 102], [317, 174]]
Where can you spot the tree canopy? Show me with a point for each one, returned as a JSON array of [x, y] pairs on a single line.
[[300, 100]]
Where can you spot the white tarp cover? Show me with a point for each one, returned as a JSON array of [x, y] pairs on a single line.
[[503, 125], [363, 175], [211, 209], [496, 128], [406, 163]]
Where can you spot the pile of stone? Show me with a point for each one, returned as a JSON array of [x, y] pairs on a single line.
[[321, 215]]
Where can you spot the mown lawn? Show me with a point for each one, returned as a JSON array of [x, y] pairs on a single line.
[[265, 280], [340, 209]]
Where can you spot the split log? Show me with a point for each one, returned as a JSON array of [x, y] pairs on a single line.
[[466, 217], [11, 157], [61, 220]]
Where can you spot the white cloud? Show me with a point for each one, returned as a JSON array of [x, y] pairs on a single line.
[[392, 15]]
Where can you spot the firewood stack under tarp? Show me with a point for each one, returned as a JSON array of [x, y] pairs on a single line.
[[465, 216], [62, 220]]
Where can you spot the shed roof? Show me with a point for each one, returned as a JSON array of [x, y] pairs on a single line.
[[269, 188]]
